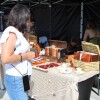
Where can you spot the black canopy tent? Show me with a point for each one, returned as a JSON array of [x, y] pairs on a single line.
[[59, 19]]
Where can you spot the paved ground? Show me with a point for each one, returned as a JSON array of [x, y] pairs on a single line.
[[4, 95]]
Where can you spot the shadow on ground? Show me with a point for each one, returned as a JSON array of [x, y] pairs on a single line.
[[2, 93]]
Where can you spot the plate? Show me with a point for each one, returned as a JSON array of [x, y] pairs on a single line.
[[36, 59], [66, 71]]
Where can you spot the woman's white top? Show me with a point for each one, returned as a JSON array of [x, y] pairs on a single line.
[[21, 46]]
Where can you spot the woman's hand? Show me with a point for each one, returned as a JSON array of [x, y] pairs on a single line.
[[30, 55]]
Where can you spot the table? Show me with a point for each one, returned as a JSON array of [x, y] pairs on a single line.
[[53, 85]]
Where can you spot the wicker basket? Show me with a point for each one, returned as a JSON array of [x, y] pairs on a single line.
[[90, 47], [88, 66]]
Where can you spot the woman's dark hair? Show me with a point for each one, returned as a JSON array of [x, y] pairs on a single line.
[[18, 17], [91, 25]]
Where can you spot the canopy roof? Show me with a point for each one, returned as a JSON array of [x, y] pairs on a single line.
[[8, 4], [50, 1], [64, 22]]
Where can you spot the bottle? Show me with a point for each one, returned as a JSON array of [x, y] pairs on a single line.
[[58, 53], [59, 58], [72, 64], [38, 48]]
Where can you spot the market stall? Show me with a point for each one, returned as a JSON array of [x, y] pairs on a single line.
[[69, 80]]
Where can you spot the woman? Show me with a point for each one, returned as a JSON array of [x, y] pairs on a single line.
[[15, 52], [90, 32]]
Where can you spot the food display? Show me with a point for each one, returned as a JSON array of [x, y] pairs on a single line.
[[38, 60], [54, 51], [46, 66], [50, 65]]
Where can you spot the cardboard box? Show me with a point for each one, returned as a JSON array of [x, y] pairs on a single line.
[[55, 52], [86, 57]]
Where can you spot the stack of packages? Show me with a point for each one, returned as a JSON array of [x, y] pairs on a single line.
[[56, 48], [88, 59], [54, 51]]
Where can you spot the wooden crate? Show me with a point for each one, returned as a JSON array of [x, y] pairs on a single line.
[[58, 43]]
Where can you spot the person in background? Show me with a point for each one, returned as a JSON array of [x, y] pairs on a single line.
[[15, 51], [74, 45], [90, 31], [92, 34], [43, 41]]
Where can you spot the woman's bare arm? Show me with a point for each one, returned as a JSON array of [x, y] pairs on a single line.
[[85, 35], [7, 52]]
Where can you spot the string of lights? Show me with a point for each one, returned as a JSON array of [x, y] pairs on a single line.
[[92, 2], [49, 2], [75, 4]]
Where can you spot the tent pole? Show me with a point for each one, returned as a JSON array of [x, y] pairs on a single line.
[[50, 27], [1, 24], [81, 22]]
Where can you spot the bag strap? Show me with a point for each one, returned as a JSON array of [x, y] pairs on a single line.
[[17, 69]]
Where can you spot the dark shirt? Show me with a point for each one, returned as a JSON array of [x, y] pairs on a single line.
[[72, 49]]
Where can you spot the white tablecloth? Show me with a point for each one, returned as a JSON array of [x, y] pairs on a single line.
[[53, 85]]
